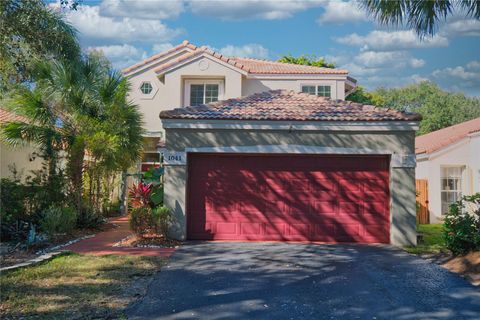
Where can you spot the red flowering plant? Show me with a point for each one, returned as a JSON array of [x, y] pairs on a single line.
[[140, 195]]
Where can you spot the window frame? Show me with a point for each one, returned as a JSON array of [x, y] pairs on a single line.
[[459, 188], [145, 83], [316, 85], [204, 82]]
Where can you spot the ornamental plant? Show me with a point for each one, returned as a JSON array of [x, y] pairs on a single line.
[[462, 225], [140, 195]]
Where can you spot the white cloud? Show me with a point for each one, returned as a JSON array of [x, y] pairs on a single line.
[[384, 40], [249, 50], [340, 12], [461, 28], [388, 59], [470, 73], [141, 9], [123, 55], [94, 27], [251, 9]]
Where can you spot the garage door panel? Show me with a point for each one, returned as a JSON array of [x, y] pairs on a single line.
[[317, 198]]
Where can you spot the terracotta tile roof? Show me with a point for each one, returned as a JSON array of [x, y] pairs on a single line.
[[249, 65], [184, 44], [8, 116], [272, 67], [288, 105], [439, 139]]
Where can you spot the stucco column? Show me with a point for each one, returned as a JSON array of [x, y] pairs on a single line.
[[174, 198], [403, 209]]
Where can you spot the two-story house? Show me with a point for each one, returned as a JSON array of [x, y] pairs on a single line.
[[187, 75], [262, 150]]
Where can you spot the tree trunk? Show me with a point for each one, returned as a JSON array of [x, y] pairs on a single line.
[[75, 172]]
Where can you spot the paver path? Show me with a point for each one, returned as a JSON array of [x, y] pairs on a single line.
[[102, 243], [218, 280]]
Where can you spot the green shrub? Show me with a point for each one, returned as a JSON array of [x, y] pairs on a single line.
[[162, 218], [89, 218], [58, 220], [145, 220], [462, 225]]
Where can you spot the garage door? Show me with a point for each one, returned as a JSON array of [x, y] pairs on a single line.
[[288, 198]]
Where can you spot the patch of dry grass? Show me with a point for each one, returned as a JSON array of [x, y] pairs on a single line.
[[75, 286]]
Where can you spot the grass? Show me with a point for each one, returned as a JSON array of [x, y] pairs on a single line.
[[75, 286], [432, 241]]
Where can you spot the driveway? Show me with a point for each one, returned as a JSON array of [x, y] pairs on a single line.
[[219, 280]]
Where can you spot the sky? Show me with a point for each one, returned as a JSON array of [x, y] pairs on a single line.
[[128, 31]]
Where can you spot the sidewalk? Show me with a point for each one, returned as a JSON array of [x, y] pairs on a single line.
[[102, 243]]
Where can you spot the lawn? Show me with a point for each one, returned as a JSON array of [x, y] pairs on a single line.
[[76, 286], [432, 241]]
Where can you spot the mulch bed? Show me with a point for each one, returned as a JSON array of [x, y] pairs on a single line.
[[148, 241], [16, 252]]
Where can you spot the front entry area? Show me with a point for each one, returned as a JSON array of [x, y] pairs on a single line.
[[328, 198]]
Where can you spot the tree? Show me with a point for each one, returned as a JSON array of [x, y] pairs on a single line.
[[438, 108], [423, 16], [307, 60], [361, 95], [30, 30], [85, 107]]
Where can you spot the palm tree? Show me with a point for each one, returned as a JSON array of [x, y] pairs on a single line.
[[84, 108], [423, 16]]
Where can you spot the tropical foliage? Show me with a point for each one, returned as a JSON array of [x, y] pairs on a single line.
[[462, 225], [422, 16], [30, 30], [307, 60]]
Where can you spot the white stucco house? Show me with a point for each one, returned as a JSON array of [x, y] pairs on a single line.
[[187, 75], [449, 159]]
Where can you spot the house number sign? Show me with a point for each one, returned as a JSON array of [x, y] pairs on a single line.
[[174, 158]]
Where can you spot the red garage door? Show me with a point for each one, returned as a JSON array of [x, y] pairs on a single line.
[[290, 198]]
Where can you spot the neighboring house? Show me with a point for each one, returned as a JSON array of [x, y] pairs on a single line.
[[449, 160], [288, 166], [187, 75], [23, 159]]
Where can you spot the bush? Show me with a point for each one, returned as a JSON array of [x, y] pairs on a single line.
[[88, 218], [58, 220], [145, 220], [462, 225]]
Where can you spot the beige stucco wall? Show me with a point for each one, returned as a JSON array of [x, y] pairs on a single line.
[[465, 153], [403, 229], [251, 86], [20, 157]]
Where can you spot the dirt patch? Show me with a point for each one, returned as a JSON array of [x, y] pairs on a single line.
[[467, 265], [148, 241], [14, 253]]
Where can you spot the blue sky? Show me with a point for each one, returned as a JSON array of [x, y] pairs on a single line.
[[131, 30]]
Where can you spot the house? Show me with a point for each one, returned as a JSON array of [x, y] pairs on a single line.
[[187, 75], [261, 150], [448, 160], [23, 159]]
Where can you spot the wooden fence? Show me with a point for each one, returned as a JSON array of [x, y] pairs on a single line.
[[421, 187]]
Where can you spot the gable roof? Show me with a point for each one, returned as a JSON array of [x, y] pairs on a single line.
[[439, 139], [8, 116], [247, 65], [288, 105]]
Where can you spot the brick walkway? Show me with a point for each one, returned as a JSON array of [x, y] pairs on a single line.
[[102, 243]]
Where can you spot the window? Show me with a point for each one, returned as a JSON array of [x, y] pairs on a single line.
[[203, 93], [451, 186], [146, 88], [322, 91], [150, 156]]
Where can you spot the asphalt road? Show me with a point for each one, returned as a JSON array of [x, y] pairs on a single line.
[[219, 280]]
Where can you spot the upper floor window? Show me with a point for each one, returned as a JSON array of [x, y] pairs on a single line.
[[146, 87], [202, 92], [451, 186], [322, 91]]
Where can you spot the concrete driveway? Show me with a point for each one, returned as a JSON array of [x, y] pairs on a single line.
[[219, 280]]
